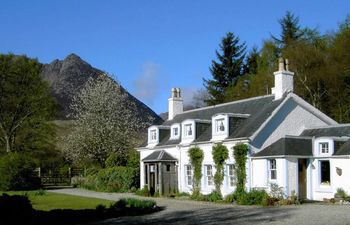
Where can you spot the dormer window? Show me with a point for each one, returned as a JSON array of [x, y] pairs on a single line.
[[219, 125], [188, 129], [324, 147], [153, 135], [176, 131]]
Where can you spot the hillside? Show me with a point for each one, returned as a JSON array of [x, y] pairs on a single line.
[[67, 77]]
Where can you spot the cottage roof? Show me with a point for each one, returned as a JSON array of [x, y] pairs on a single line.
[[288, 146], [339, 130], [344, 149]]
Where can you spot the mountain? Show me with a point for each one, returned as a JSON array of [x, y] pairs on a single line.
[[67, 77]]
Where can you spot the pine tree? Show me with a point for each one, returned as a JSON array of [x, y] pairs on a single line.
[[227, 69], [291, 30]]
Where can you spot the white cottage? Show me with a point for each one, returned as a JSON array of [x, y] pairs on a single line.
[[291, 143]]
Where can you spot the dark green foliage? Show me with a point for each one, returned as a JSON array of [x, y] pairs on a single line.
[[134, 203], [251, 66], [114, 179], [254, 197], [227, 70], [17, 172], [196, 156], [131, 159], [240, 152], [212, 197], [340, 193], [25, 105], [291, 30], [14, 209], [220, 154], [143, 192]]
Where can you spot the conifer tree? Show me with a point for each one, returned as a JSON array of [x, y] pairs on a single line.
[[227, 69]]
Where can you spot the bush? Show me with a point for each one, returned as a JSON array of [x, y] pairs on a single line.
[[143, 192], [115, 179], [340, 193], [15, 208], [134, 203], [17, 172], [214, 196], [254, 197]]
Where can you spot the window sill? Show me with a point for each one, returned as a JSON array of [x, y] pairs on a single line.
[[324, 188]]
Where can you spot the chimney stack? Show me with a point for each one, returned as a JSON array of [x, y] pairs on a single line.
[[283, 79], [175, 103]]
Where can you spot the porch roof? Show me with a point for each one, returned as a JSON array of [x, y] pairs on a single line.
[[159, 156], [288, 146]]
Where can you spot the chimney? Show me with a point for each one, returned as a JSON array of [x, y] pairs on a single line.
[[175, 103], [283, 79]]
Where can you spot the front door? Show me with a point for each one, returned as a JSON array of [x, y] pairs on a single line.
[[152, 179], [302, 165]]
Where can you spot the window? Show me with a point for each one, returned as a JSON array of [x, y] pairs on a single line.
[[175, 131], [231, 175], [273, 169], [325, 172], [219, 125], [168, 168], [188, 130], [153, 135], [209, 175], [188, 175], [324, 148]]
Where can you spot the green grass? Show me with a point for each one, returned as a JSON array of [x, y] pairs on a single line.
[[48, 201]]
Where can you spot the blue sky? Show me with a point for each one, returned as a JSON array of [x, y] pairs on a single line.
[[151, 46]]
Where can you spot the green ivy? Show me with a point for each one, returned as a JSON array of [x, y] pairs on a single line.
[[240, 152], [220, 154], [196, 158]]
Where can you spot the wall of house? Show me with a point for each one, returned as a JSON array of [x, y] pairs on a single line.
[[321, 191], [291, 119], [292, 176]]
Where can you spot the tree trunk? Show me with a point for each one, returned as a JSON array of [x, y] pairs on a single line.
[[7, 141]]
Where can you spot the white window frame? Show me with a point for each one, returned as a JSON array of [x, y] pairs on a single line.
[[188, 175], [323, 147], [231, 175], [172, 131], [272, 168], [209, 177], [218, 124], [188, 128], [176, 131], [153, 134]]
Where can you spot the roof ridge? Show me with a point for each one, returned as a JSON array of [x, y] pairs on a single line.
[[328, 126], [226, 103]]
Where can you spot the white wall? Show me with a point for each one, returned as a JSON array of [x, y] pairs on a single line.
[[319, 191]]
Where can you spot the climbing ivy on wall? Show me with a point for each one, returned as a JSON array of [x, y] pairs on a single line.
[[220, 154], [196, 158], [240, 152]]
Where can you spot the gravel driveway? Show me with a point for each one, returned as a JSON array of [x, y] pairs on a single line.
[[193, 212]]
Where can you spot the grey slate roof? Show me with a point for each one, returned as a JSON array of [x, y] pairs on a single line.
[[288, 146], [344, 149], [159, 156], [331, 131]]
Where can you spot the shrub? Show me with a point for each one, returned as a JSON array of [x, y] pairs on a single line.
[[220, 154], [340, 193], [115, 179], [254, 197], [143, 192], [214, 196], [240, 152], [13, 206], [276, 191], [196, 156], [17, 172], [134, 203]]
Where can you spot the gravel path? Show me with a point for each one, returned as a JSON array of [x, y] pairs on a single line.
[[193, 212]]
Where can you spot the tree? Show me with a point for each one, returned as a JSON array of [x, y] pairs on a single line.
[[251, 65], [25, 104], [105, 123], [227, 70], [291, 30]]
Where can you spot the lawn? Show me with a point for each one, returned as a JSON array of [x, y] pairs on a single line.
[[42, 200]]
